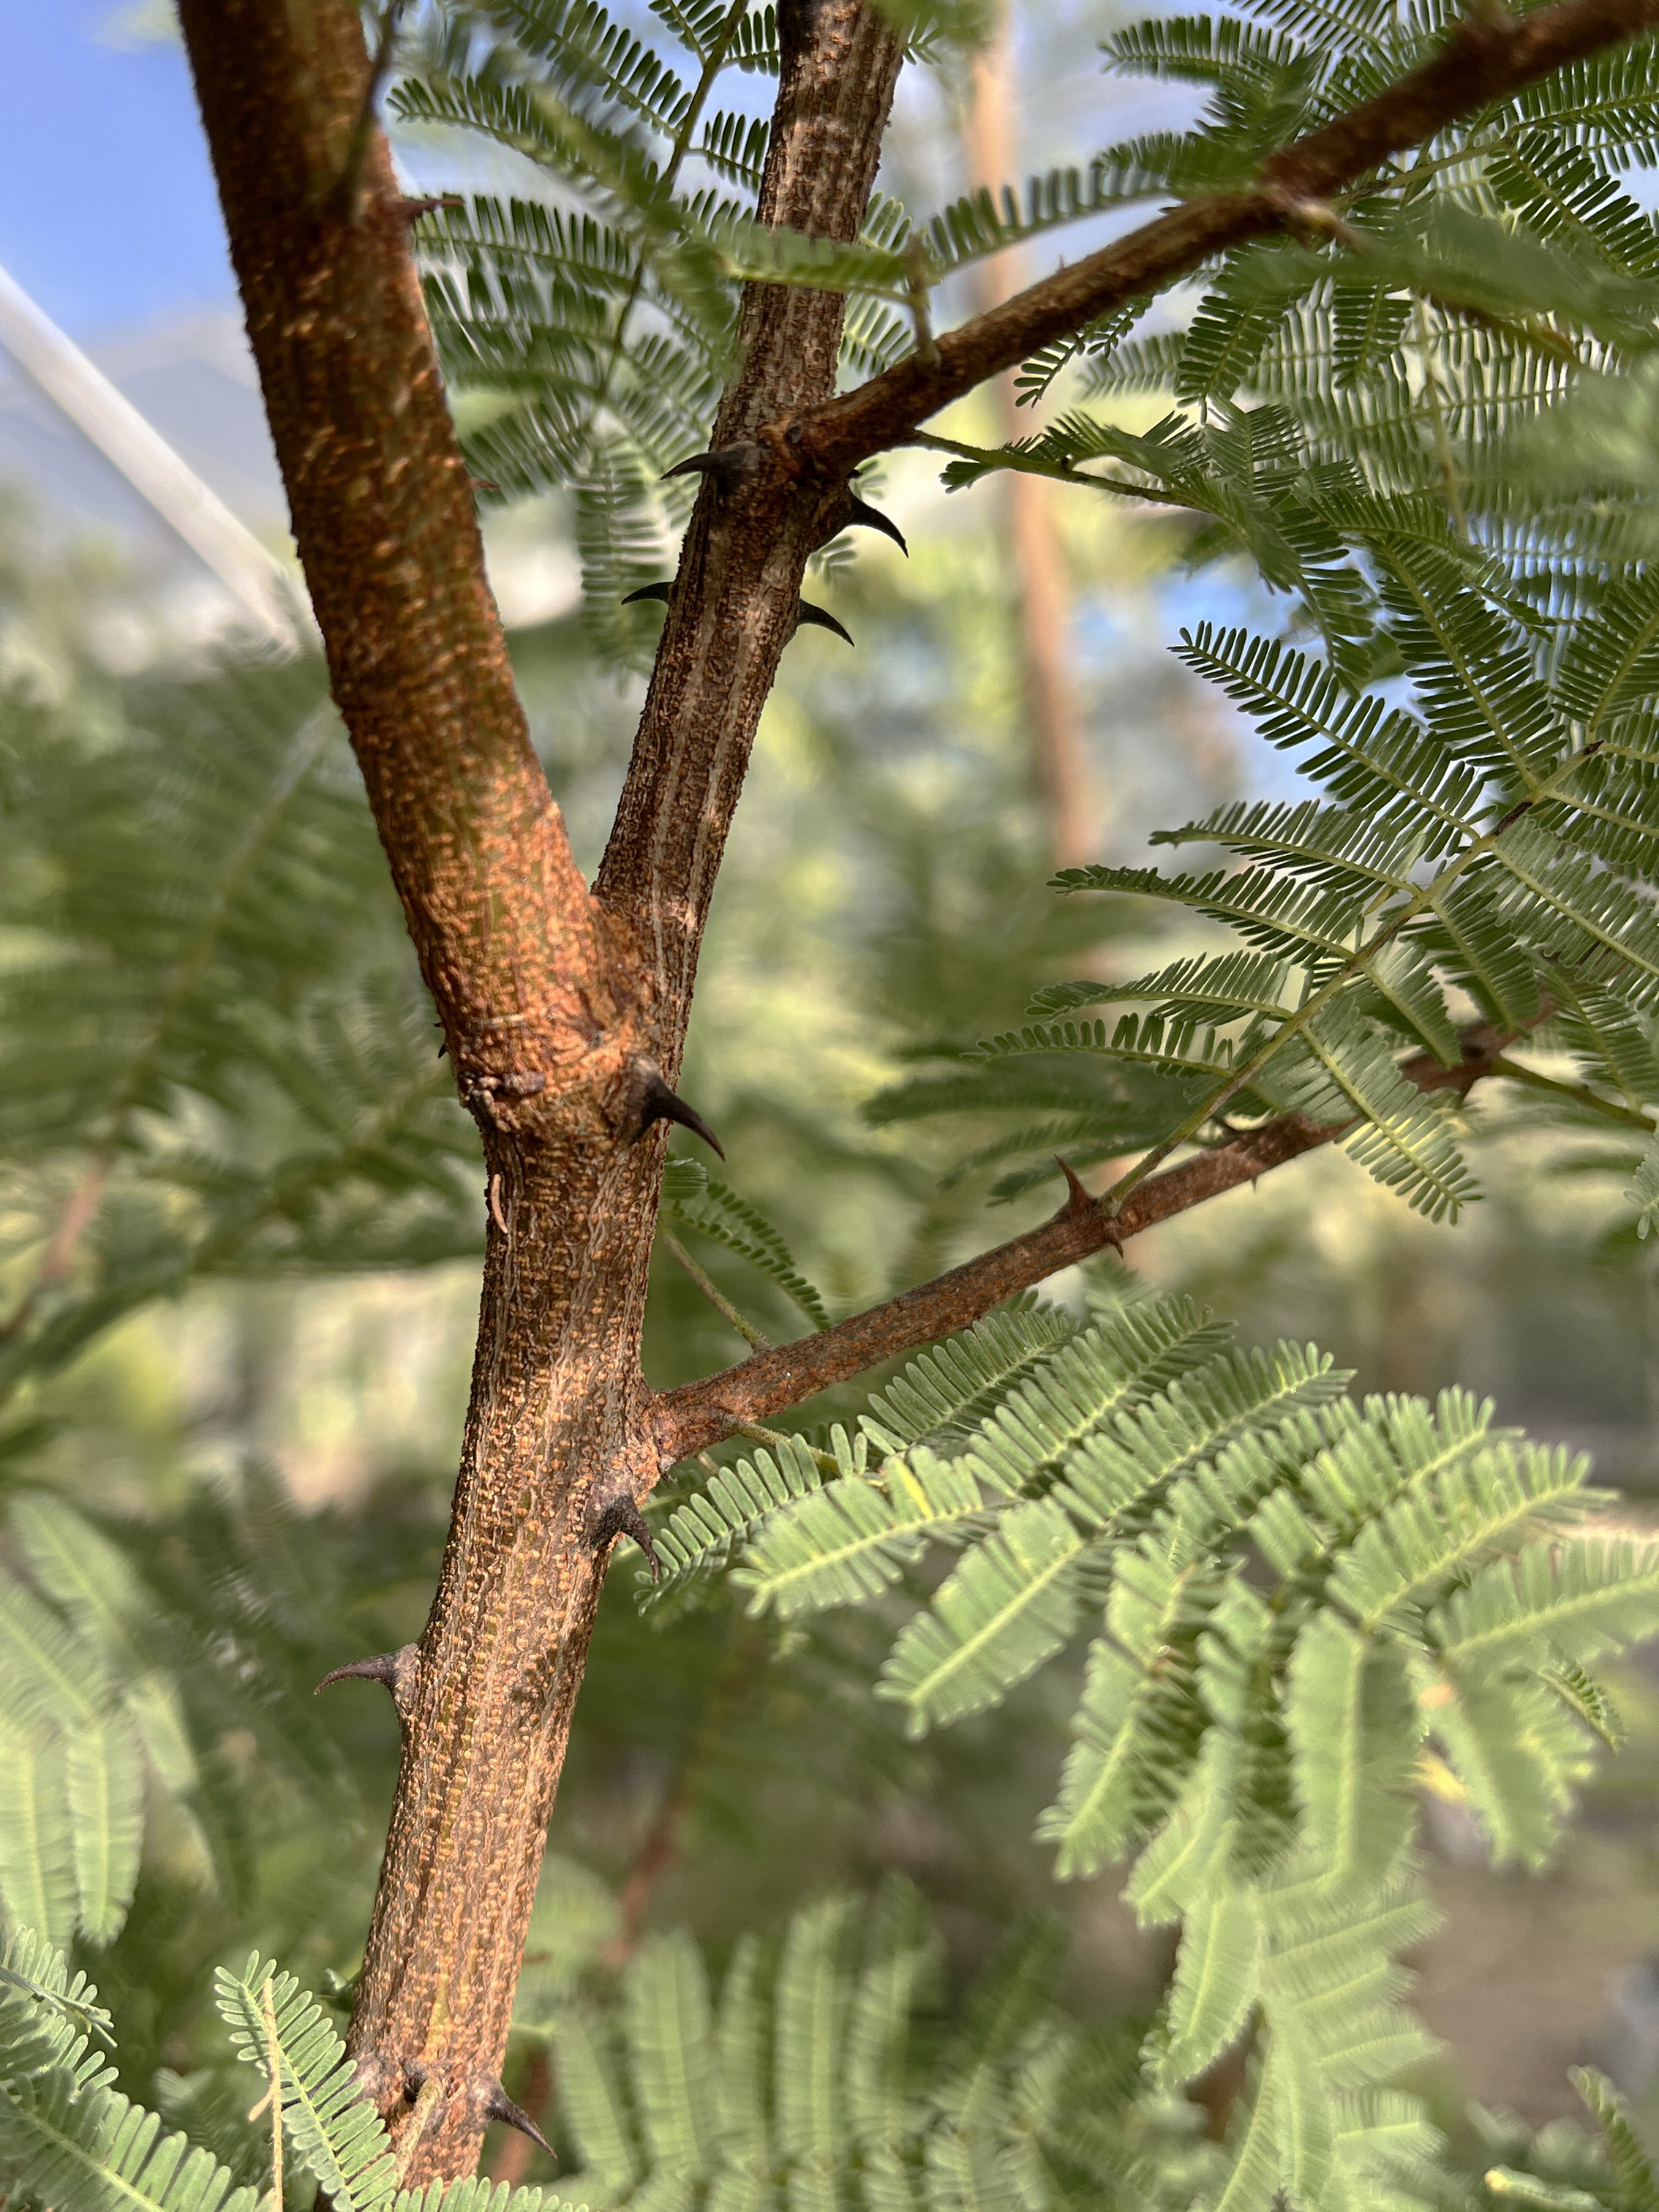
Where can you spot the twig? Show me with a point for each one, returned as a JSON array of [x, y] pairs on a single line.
[[699, 1414], [1580, 1093], [346, 191], [427, 2100], [915, 259], [1032, 464], [79, 1211], [273, 2095], [714, 1295], [1482, 61], [826, 1462]]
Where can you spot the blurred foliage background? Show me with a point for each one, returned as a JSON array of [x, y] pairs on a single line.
[[272, 1397]]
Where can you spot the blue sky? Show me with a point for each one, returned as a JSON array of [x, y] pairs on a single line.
[[107, 213]]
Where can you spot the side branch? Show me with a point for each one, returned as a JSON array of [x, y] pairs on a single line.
[[699, 1414], [1487, 58]]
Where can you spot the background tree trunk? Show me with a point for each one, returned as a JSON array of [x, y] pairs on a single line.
[[1042, 588]]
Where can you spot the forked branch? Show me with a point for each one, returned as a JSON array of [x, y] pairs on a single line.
[[1488, 57]]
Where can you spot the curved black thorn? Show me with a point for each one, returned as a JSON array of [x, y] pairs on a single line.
[[500, 2106], [821, 619], [621, 1518], [658, 1103], [871, 518], [726, 465], [658, 592], [383, 1667]]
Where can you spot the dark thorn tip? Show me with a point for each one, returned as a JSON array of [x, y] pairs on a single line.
[[820, 618], [500, 2106], [658, 592], [871, 518], [723, 464], [383, 1667], [623, 1518], [661, 1104]]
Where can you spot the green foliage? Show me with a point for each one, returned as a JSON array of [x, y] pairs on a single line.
[[216, 1061], [1395, 416], [67, 2138], [1490, 850], [690, 1194], [819, 2072], [333, 2126], [1256, 1755], [589, 322], [1276, 1609]]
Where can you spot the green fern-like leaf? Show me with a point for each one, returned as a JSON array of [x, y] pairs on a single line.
[[66, 2137], [692, 1195], [332, 2125], [850, 1540]]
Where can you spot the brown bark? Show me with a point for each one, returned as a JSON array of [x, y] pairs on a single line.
[[1484, 59], [558, 1004], [733, 609], [699, 1414]]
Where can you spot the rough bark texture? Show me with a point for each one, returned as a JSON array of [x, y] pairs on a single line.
[[557, 1006], [560, 1005], [732, 610]]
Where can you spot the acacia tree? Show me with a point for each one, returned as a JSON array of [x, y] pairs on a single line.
[[1478, 877], [564, 1006]]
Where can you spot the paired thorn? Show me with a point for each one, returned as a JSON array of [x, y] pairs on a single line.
[[500, 2106], [623, 1518], [865, 517], [660, 1104], [381, 1669], [1079, 1200], [818, 617]]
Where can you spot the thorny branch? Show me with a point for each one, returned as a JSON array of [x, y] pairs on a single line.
[[698, 1414], [1488, 57], [561, 1006]]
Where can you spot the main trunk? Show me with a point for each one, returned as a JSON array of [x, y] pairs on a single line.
[[559, 1420], [560, 1008]]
